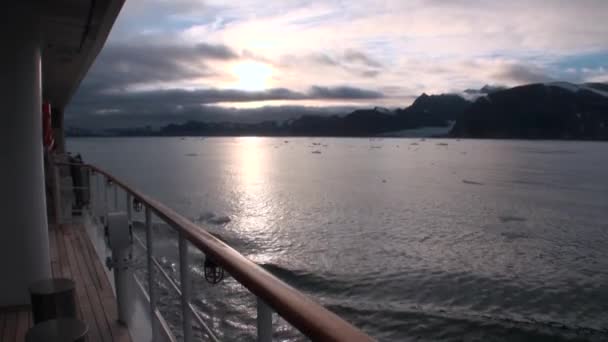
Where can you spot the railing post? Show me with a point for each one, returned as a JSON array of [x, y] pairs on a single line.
[[264, 321], [151, 283], [184, 272]]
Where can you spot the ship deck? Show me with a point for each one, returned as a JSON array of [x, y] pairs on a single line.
[[73, 256]]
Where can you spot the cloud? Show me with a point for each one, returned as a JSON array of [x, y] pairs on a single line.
[[209, 96], [522, 74], [599, 74], [354, 56], [349, 63], [473, 94], [122, 65], [324, 59], [214, 51], [344, 92], [486, 89]]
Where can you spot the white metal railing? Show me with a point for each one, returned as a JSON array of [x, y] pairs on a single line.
[[310, 318]]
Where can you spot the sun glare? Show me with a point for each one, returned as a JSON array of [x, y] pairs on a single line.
[[252, 75]]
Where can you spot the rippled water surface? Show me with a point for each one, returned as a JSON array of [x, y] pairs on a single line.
[[411, 240]]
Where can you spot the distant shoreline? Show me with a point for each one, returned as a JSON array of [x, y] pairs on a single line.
[[333, 137]]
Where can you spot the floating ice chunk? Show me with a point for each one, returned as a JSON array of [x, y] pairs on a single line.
[[506, 219], [514, 235], [219, 220], [211, 218], [471, 182]]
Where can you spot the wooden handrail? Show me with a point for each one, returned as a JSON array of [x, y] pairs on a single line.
[[309, 317]]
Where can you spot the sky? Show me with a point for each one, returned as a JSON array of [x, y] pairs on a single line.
[[250, 60]]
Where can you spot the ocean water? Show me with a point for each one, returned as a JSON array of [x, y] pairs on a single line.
[[408, 239]]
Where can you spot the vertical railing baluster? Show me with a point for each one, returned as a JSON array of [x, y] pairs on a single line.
[[151, 283], [264, 321], [106, 205], [99, 197], [97, 207], [115, 197], [92, 192], [129, 207], [184, 272]]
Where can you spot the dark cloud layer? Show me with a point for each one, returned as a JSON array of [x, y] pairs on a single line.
[[317, 92], [121, 65], [155, 119], [360, 57], [352, 61], [522, 74], [119, 108], [209, 96]]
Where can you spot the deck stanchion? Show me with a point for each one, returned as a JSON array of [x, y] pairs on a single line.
[[97, 197], [92, 192], [151, 284], [264, 321], [184, 272], [120, 244]]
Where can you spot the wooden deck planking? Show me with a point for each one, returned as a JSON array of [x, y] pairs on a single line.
[[63, 269], [86, 306], [94, 286], [73, 256]]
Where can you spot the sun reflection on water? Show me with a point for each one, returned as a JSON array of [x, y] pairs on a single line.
[[252, 189]]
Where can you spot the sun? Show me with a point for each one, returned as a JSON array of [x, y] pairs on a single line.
[[252, 75]]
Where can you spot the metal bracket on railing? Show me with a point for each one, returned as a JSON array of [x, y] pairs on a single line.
[[126, 261], [120, 264], [213, 273], [119, 237], [137, 205]]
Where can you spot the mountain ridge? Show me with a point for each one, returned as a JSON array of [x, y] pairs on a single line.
[[557, 110]]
